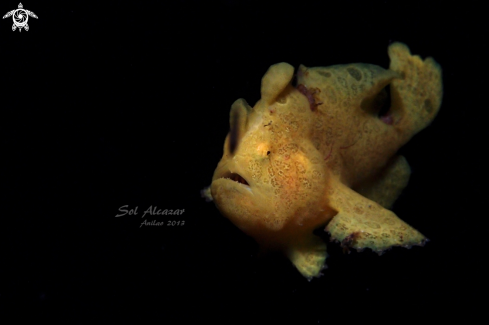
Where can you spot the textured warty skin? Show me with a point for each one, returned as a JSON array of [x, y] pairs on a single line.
[[323, 154]]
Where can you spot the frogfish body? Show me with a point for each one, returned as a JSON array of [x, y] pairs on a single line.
[[323, 154]]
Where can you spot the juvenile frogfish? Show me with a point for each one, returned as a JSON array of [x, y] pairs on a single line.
[[323, 154]]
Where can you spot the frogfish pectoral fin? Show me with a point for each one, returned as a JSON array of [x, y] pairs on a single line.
[[308, 256], [362, 223]]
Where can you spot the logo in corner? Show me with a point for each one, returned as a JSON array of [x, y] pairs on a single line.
[[20, 17]]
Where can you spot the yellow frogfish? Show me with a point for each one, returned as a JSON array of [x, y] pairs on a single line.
[[322, 152]]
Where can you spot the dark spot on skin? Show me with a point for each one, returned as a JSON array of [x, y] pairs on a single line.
[[428, 106], [268, 153], [355, 73], [342, 82]]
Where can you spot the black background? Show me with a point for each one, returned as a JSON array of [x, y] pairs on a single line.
[[126, 103]]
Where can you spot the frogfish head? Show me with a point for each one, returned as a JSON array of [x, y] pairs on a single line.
[[271, 180]]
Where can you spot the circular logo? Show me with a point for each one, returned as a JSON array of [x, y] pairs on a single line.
[[20, 17]]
